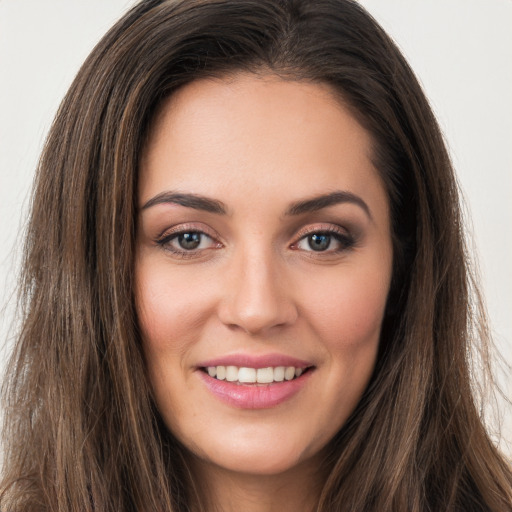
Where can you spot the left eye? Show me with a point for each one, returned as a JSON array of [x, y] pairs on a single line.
[[323, 241]]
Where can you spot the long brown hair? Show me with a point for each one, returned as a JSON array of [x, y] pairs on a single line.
[[82, 432]]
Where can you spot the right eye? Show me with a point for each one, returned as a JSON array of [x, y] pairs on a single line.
[[187, 243]]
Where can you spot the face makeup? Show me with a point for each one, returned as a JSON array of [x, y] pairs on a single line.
[[262, 269]]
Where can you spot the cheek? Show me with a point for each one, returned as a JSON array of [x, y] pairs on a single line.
[[347, 313], [347, 318], [169, 310], [166, 320]]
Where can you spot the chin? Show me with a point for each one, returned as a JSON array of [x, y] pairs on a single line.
[[266, 454], [255, 462]]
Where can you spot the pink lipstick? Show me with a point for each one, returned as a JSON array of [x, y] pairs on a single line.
[[254, 382]]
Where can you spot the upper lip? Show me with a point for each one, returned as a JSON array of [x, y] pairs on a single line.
[[255, 361]]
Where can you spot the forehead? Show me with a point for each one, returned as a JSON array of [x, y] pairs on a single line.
[[249, 133]]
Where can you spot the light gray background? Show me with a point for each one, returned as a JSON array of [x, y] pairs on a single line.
[[460, 49]]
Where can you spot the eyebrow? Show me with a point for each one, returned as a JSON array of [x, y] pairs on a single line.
[[210, 205], [188, 200], [325, 200]]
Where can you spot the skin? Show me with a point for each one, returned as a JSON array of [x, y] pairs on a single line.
[[259, 144]]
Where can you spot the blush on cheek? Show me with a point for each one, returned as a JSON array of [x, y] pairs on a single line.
[[353, 316], [166, 316], [161, 332]]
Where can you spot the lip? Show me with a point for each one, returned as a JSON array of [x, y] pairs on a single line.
[[254, 396], [253, 361]]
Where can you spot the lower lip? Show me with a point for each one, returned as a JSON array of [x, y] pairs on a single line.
[[254, 396]]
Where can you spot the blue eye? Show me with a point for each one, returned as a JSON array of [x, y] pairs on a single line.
[[319, 241], [325, 241], [186, 242]]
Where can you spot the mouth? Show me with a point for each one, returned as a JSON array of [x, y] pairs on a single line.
[[255, 382], [255, 376]]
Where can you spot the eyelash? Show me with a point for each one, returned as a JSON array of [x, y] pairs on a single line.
[[165, 241], [344, 239]]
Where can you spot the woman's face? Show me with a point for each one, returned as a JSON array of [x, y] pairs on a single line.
[[263, 265]]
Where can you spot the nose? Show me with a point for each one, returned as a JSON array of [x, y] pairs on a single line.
[[257, 295]]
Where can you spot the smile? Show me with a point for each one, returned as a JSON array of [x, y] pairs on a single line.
[[254, 384], [245, 375]]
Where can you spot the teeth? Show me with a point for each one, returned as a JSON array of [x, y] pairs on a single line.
[[279, 374], [221, 372], [245, 375], [231, 373], [289, 373], [265, 375]]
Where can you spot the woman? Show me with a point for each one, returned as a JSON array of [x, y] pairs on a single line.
[[245, 279]]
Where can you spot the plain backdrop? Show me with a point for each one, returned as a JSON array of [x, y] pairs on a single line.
[[461, 51]]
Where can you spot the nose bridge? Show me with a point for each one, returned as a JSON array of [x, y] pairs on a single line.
[[258, 298]]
